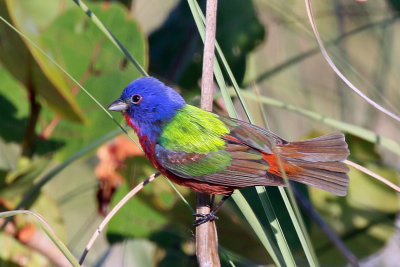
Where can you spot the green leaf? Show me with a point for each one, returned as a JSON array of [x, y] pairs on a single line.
[[13, 110], [135, 219], [13, 120], [103, 70], [133, 252], [37, 73], [19, 181]]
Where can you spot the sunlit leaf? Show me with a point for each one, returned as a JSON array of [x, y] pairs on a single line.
[[27, 64]]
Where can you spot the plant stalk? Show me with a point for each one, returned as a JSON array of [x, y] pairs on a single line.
[[206, 233]]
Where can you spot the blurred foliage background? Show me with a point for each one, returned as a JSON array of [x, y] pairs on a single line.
[[45, 119]]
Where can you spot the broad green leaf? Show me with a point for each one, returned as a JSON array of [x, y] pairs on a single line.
[[133, 252], [19, 181], [75, 42], [135, 219], [14, 111], [27, 64]]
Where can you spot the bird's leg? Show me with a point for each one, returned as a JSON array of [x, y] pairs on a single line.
[[210, 216], [212, 200]]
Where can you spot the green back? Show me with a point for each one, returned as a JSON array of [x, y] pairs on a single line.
[[194, 130]]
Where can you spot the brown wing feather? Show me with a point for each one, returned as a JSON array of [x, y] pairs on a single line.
[[247, 167]]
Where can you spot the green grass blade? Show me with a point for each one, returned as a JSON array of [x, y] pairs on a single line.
[[48, 230], [299, 225], [251, 218], [36, 188], [110, 36], [293, 211], [200, 23], [274, 222], [217, 70]]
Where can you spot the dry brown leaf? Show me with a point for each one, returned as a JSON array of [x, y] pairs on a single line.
[[111, 158]]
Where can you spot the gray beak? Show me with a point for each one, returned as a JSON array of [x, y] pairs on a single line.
[[118, 105]]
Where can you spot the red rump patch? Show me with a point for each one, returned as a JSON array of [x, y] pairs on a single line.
[[289, 168]]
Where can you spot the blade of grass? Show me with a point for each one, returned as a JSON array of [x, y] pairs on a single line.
[[292, 207], [329, 232], [225, 65], [251, 218], [37, 186], [372, 174], [272, 218], [47, 229], [110, 35]]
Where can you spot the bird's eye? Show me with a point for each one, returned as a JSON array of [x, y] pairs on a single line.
[[136, 99]]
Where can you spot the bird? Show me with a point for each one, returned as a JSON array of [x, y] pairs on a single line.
[[213, 154]]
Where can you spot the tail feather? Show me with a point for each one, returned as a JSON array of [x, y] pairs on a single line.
[[332, 147], [320, 162], [333, 166]]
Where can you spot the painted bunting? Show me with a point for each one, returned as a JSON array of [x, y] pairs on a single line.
[[216, 155]]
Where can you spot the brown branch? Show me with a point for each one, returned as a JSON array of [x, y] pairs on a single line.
[[206, 233]]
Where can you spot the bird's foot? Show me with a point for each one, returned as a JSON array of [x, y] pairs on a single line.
[[204, 218]]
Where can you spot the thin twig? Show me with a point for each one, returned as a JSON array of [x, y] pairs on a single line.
[[372, 174], [111, 214], [206, 233]]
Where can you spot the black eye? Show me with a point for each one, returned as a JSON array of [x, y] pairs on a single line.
[[136, 99]]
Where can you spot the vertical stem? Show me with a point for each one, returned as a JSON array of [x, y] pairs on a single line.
[[206, 233], [207, 81], [29, 136]]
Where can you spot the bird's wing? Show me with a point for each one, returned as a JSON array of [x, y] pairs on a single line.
[[217, 150], [252, 135], [235, 166]]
